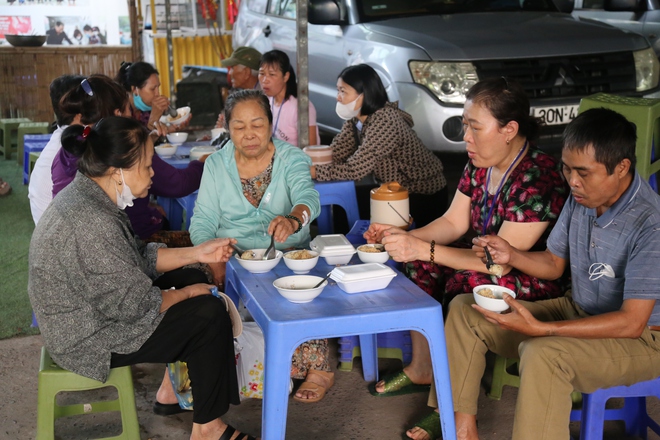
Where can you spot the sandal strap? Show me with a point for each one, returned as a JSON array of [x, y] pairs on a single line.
[[431, 424], [229, 431], [396, 382]]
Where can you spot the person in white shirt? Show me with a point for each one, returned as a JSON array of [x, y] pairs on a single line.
[[40, 190]]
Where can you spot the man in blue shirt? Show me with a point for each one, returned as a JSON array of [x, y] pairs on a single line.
[[606, 332]]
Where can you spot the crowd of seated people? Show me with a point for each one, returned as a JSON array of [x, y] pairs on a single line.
[[573, 238]]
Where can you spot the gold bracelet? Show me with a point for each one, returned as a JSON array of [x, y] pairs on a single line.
[[432, 251]]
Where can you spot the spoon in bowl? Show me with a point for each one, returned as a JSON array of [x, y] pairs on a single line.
[[324, 278]]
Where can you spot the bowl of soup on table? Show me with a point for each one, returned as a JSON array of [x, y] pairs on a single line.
[[372, 253], [301, 261], [300, 288], [252, 260]]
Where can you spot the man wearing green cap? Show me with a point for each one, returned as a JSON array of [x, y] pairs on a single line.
[[243, 67]]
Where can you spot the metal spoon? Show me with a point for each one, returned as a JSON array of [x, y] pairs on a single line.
[[324, 278], [239, 250], [270, 252]]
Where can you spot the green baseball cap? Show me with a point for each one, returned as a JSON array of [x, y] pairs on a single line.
[[245, 56]]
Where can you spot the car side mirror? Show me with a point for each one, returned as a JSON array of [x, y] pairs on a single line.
[[622, 5], [324, 12], [565, 6]]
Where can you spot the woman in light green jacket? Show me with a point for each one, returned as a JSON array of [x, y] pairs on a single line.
[[256, 187]]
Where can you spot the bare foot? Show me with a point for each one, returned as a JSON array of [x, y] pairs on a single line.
[[418, 433], [165, 394]]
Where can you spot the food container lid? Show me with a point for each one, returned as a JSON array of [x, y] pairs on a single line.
[[361, 272], [331, 245], [389, 191]]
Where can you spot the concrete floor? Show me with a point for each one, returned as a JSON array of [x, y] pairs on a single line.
[[347, 412]]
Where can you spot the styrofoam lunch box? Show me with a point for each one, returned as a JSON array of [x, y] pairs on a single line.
[[362, 277], [335, 248]]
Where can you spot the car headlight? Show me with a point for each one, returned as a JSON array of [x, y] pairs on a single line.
[[448, 81], [647, 69]]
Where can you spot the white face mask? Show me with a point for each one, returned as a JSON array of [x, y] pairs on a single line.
[[347, 111], [125, 199], [598, 270]]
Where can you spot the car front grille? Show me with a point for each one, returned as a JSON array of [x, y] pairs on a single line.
[[565, 77]]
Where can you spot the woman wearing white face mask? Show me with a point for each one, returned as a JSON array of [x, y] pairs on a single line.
[[378, 139]]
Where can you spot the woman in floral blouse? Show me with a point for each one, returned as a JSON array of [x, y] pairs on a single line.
[[508, 188]]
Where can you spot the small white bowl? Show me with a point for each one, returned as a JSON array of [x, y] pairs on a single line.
[[298, 288], [177, 138], [166, 150], [301, 267], [496, 304], [258, 265], [196, 153], [181, 115], [373, 257]]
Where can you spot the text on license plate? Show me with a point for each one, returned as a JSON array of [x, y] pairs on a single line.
[[561, 114]]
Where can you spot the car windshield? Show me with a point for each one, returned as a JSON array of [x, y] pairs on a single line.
[[373, 10]]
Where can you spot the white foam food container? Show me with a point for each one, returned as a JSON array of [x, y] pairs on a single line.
[[362, 277], [335, 248]]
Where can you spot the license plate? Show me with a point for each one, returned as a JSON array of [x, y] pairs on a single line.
[[562, 114]]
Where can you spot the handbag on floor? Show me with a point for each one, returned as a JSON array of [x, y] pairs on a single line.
[[250, 353]]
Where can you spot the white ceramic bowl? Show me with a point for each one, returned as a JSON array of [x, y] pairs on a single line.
[[166, 150], [496, 304], [181, 115], [298, 288], [301, 266], [258, 265], [373, 257], [196, 153], [177, 138]]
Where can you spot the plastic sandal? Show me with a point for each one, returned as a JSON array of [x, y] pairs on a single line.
[[431, 424], [230, 430], [397, 385], [320, 390]]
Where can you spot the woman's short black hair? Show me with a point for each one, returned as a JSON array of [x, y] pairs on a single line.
[[244, 96], [507, 101], [107, 96], [365, 81], [611, 135], [58, 88], [113, 142], [134, 74], [279, 59]]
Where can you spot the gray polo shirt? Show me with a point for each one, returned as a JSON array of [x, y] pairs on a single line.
[[626, 237]]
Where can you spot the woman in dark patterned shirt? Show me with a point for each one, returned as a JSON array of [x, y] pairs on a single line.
[[508, 188]]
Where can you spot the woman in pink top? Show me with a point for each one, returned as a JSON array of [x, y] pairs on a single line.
[[278, 81]]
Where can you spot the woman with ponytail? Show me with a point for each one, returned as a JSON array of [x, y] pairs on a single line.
[[105, 299]]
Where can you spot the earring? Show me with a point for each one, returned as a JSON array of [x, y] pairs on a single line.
[[507, 141]]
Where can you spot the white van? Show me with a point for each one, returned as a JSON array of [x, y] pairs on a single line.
[[429, 53]]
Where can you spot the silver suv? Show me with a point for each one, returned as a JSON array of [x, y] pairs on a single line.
[[429, 52]]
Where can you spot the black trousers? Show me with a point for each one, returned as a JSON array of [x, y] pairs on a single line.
[[197, 331]]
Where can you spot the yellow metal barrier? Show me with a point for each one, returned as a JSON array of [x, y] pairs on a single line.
[[196, 50]]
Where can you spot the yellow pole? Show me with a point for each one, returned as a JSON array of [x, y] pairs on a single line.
[[153, 17]]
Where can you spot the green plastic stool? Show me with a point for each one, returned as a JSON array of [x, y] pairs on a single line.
[[385, 353], [9, 127], [28, 128], [505, 374], [53, 379], [642, 112]]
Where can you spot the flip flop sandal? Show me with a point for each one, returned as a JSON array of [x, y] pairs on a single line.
[[230, 430], [320, 390], [167, 409], [430, 424], [397, 385]]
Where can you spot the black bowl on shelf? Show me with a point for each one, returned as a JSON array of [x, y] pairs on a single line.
[[26, 40]]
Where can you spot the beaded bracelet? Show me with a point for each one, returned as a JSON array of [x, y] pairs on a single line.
[[300, 225], [432, 251]]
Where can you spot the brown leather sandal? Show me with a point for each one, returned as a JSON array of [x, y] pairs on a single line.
[[310, 385]]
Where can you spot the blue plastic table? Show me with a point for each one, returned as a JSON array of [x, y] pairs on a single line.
[[334, 313]]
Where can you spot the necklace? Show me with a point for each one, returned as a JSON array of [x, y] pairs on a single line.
[[499, 188]]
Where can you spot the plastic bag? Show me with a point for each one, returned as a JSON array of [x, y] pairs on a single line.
[[249, 351], [178, 372]]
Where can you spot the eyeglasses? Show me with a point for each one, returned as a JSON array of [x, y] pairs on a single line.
[[86, 87]]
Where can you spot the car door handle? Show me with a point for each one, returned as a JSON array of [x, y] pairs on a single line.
[[267, 31]]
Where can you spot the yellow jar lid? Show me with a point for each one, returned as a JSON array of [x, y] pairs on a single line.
[[389, 191]]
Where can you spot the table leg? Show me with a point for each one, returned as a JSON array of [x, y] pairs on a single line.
[[277, 372], [438, 347], [369, 352]]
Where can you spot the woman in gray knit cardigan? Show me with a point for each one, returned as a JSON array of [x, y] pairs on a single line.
[[104, 299]]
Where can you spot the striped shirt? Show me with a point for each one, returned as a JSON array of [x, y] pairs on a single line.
[[626, 238]]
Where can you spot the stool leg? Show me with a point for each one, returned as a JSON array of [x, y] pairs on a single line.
[[126, 397], [45, 411], [368, 350], [593, 417], [502, 377]]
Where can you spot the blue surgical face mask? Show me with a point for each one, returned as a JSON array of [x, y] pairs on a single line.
[[139, 104]]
